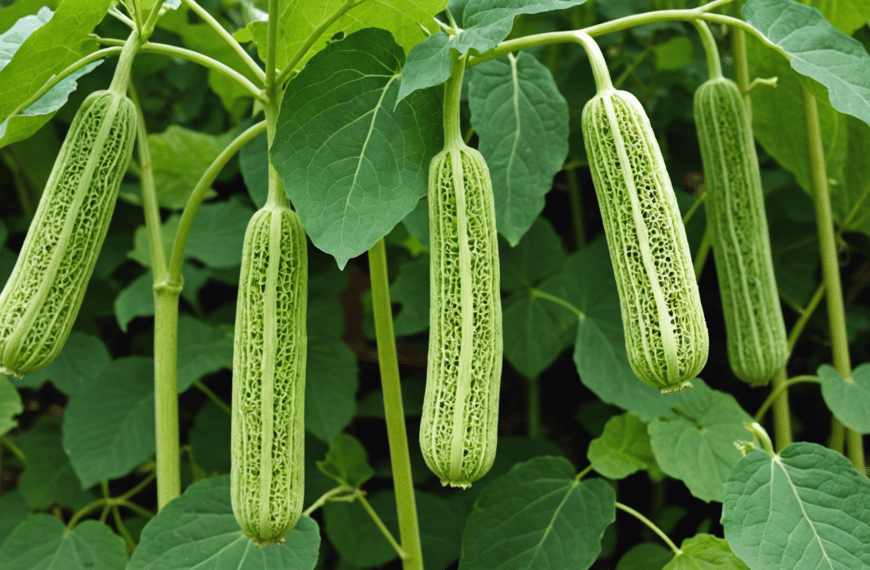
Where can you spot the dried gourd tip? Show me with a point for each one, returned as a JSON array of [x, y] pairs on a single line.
[[459, 484], [685, 385], [12, 373]]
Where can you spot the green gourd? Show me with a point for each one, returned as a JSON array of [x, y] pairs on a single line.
[[268, 398], [757, 342], [460, 408], [44, 293], [665, 331]]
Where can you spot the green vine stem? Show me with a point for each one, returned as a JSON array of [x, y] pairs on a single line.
[[228, 38], [202, 187], [694, 208], [603, 82], [326, 497], [780, 389], [452, 94], [212, 396], [652, 526], [621, 24], [195, 57], [741, 64], [781, 412], [830, 263], [388, 362], [166, 391], [804, 317], [381, 526], [119, 524], [714, 66]]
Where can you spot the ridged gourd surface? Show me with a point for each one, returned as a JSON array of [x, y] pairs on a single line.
[[757, 341], [268, 412], [665, 331], [460, 411], [44, 293]]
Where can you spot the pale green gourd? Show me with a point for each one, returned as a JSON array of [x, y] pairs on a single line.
[[757, 341], [460, 408], [268, 399], [44, 293], [665, 331]]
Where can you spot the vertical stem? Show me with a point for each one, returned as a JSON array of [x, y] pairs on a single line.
[[452, 94], [166, 391], [781, 415], [741, 67], [837, 439], [830, 264], [534, 413], [388, 362], [576, 208], [714, 66]]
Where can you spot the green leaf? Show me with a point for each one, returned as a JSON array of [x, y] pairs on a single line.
[[411, 290], [81, 360], [13, 510], [521, 120], [352, 165], [696, 444], [198, 530], [599, 351], [218, 233], [254, 164], [528, 517], [29, 120], [298, 20], [353, 533], [202, 350], [674, 54], [10, 405], [109, 427], [845, 15], [705, 552], [645, 556], [816, 50], [135, 300], [48, 476], [330, 387], [179, 157], [346, 462], [44, 53], [440, 530], [209, 439], [484, 25], [804, 509], [622, 449], [538, 255], [848, 398], [42, 542]]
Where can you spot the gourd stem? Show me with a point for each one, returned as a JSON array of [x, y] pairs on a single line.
[[149, 195], [228, 38], [741, 64], [452, 93], [781, 412], [651, 526], [806, 313], [388, 363], [830, 263], [125, 63], [196, 197], [713, 65], [276, 196], [166, 393], [596, 60]]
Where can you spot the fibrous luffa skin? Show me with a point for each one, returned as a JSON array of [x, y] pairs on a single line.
[[268, 400], [44, 293], [665, 331], [757, 341], [459, 424]]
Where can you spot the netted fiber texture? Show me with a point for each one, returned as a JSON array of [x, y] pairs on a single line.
[[459, 425], [44, 293], [665, 330], [757, 341], [268, 401]]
